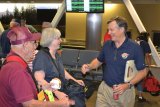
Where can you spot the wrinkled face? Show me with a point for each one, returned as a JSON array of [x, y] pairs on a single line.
[[29, 48], [115, 31], [56, 43]]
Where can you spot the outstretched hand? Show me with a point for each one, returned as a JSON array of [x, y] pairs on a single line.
[[85, 68]]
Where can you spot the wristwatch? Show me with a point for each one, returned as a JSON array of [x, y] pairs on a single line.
[[130, 85]]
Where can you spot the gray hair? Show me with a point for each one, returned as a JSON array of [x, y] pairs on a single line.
[[48, 35]]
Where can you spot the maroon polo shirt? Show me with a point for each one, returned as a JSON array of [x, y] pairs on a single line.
[[16, 85]]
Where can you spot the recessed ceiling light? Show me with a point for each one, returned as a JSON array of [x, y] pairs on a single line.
[[8, 1], [32, 1]]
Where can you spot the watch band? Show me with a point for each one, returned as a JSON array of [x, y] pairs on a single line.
[[130, 85]]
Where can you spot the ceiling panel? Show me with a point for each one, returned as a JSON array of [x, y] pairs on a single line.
[[59, 1], [31, 1]]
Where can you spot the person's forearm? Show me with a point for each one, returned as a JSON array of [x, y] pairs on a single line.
[[36, 103], [68, 76], [148, 59], [94, 64], [139, 76], [39, 75]]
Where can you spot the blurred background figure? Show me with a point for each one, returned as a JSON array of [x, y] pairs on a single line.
[[142, 40], [46, 25], [4, 41], [106, 37], [30, 27]]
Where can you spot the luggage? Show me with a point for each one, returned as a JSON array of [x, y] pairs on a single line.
[[151, 85]]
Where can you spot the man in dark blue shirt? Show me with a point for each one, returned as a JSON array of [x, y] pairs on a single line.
[[4, 41], [145, 47], [115, 53]]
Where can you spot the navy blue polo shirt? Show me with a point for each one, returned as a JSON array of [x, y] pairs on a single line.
[[115, 60], [145, 47]]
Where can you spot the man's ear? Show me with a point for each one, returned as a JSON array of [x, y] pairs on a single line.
[[25, 46], [122, 29]]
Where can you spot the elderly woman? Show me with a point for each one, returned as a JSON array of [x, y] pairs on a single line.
[[48, 64]]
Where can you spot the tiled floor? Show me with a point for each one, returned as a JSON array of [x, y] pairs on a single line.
[[152, 101]]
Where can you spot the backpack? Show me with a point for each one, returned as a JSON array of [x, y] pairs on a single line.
[[151, 85], [89, 89]]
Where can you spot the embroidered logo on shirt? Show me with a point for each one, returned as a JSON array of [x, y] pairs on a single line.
[[125, 55]]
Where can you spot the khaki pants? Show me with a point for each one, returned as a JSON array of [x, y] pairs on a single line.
[[105, 97]]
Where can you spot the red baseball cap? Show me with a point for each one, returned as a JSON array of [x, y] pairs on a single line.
[[19, 35]]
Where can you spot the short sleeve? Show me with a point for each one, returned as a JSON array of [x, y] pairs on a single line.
[[101, 55]]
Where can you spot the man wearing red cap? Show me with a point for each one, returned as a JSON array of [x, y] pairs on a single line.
[[17, 85]]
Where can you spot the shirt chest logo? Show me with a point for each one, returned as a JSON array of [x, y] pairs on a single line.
[[124, 55]]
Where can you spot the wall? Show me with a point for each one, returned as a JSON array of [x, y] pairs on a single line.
[[150, 16], [148, 13], [75, 26]]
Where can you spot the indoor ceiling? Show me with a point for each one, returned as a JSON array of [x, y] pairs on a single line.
[[59, 1]]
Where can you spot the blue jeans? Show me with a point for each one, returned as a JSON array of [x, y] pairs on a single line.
[[139, 86]]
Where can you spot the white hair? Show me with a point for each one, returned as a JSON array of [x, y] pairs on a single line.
[[48, 34]]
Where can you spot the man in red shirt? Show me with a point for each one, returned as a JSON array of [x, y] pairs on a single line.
[[106, 37], [17, 85]]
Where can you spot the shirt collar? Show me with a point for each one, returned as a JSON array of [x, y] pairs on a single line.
[[124, 44]]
